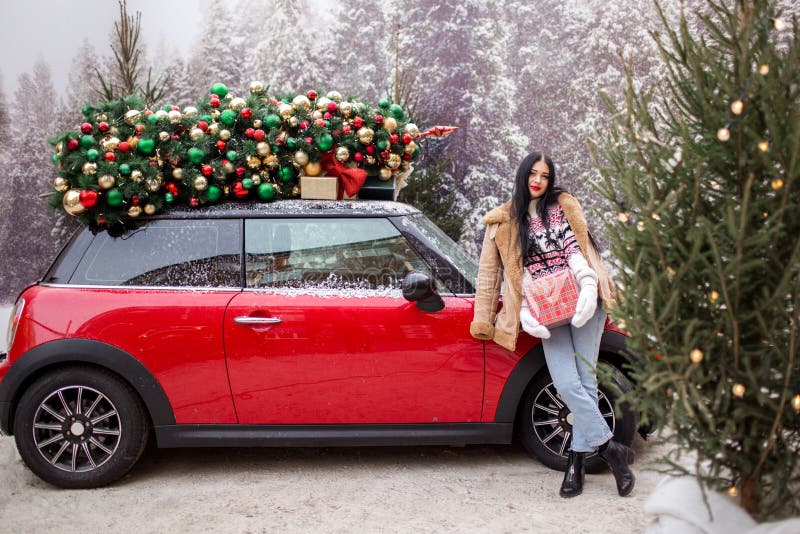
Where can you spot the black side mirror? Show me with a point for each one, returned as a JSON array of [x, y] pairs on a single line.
[[418, 287]]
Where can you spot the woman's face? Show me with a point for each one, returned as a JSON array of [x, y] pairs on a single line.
[[538, 179]]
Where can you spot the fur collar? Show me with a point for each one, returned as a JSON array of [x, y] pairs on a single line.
[[502, 213]]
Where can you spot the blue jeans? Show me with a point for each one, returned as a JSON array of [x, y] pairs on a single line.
[[571, 355]]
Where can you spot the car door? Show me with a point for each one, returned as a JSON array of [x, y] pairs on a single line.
[[322, 333]]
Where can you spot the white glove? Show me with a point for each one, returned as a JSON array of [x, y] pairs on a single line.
[[531, 325], [587, 280]]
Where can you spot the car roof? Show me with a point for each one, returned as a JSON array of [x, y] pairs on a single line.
[[291, 208]]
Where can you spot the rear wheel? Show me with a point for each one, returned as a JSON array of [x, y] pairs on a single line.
[[546, 421], [80, 427]]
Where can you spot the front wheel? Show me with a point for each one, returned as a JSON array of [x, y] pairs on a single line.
[[80, 427], [546, 421]]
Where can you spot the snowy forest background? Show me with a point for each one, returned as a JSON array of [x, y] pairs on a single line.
[[513, 75]]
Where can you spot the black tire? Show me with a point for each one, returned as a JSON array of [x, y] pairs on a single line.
[[85, 448], [548, 440]]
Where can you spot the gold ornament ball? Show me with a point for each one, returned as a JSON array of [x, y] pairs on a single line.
[[410, 147], [253, 162], [60, 184], [137, 176], [175, 116], [394, 161], [763, 69], [737, 106], [342, 154], [738, 390], [763, 146], [300, 158], [59, 148], [149, 209], [256, 179], [213, 129], [623, 217], [110, 143], [322, 104], [796, 403], [696, 356], [131, 116], [237, 104], [161, 114], [385, 174], [723, 134], [256, 87], [134, 211], [227, 168], [389, 124], [294, 121], [133, 141], [163, 136], [271, 161], [301, 102], [316, 115], [89, 168], [200, 183], [640, 226], [777, 183], [263, 149], [336, 96], [225, 135], [312, 168], [365, 135], [285, 110], [713, 296], [153, 184], [346, 108], [190, 111], [295, 191], [257, 123], [106, 181], [177, 173], [412, 130], [215, 113], [196, 133], [72, 202]]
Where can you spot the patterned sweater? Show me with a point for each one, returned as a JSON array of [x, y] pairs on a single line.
[[558, 243]]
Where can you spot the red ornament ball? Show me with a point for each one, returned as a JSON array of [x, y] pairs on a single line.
[[333, 106], [320, 123], [249, 133], [207, 170], [358, 156], [86, 128], [88, 198], [215, 103], [407, 138], [304, 125], [379, 118], [407, 157], [221, 145], [124, 147], [393, 139], [135, 201], [172, 188], [240, 171], [72, 144], [370, 149], [358, 122], [175, 108], [385, 154], [311, 95], [239, 190], [279, 141], [139, 128], [110, 156], [327, 115], [203, 125], [346, 129], [259, 135], [103, 127], [247, 113], [175, 137], [308, 140], [194, 202]]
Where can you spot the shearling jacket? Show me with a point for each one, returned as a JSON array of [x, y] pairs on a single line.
[[501, 265]]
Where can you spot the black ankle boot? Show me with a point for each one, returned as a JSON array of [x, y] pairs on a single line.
[[618, 457], [574, 475]]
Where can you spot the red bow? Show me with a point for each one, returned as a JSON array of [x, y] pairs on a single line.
[[350, 180]]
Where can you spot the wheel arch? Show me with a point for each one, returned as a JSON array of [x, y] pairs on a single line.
[[64, 352]]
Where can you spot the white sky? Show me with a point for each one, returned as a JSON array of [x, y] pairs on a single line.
[[54, 29]]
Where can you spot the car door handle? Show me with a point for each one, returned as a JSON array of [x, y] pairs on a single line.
[[256, 320]]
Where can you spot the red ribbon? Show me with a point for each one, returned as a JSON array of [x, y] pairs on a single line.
[[350, 180]]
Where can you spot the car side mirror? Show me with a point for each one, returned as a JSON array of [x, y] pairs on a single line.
[[418, 287]]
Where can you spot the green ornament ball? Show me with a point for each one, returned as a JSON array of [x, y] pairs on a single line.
[[213, 194], [86, 110], [206, 117], [247, 183], [415, 153], [87, 141], [167, 108], [54, 159], [324, 142], [286, 174], [196, 155], [169, 198], [266, 192], [291, 143], [231, 155], [382, 144], [152, 118], [383, 102], [219, 89], [397, 111], [227, 117], [114, 198], [125, 169], [276, 149], [146, 146], [92, 154], [272, 120]]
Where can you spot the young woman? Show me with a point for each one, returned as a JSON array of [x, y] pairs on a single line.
[[542, 228]]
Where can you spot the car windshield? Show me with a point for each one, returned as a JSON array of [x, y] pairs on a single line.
[[457, 256]]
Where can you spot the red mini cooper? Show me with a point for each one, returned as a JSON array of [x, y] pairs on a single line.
[[296, 323]]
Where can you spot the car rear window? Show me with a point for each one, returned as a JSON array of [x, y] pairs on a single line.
[[166, 253], [331, 253]]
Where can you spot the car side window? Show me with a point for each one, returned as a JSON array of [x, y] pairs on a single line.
[[331, 253], [166, 253]]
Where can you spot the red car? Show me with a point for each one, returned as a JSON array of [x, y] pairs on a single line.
[[296, 323]]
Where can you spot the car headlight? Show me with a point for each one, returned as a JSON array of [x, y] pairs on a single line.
[[13, 322]]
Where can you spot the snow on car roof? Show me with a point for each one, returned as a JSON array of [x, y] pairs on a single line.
[[291, 208]]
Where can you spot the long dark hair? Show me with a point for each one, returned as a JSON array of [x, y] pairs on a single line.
[[521, 198]]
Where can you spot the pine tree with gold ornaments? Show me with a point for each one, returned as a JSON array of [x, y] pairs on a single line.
[[704, 172]]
